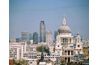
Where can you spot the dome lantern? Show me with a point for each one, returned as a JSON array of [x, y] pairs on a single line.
[[64, 21], [64, 28]]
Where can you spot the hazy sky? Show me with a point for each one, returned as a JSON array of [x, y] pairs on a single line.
[[25, 15]]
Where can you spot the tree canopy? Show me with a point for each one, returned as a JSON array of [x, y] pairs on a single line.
[[44, 49]]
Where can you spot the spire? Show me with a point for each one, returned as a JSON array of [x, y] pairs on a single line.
[[64, 21]]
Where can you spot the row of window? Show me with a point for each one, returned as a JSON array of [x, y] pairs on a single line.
[[69, 52]]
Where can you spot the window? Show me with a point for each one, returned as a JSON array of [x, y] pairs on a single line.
[[65, 59], [65, 52], [64, 40], [68, 52], [30, 62], [78, 45], [71, 52]]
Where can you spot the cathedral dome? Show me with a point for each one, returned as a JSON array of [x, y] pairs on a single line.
[[64, 28]]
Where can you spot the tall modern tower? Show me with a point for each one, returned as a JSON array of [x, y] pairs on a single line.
[[42, 32]]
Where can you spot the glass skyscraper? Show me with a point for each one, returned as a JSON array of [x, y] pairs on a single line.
[[42, 32]]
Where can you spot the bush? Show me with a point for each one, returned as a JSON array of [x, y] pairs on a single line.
[[20, 62], [39, 49]]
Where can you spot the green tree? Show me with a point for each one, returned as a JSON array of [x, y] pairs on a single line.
[[39, 49], [20, 62], [62, 62]]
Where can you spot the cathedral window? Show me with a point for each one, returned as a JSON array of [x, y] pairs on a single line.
[[68, 52], [71, 52], [65, 52], [78, 45], [65, 59], [65, 40]]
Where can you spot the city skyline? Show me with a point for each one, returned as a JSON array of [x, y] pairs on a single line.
[[26, 18]]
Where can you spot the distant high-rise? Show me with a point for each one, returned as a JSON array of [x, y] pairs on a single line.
[[24, 36], [35, 37], [42, 32], [55, 34], [31, 36], [18, 39], [49, 37]]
